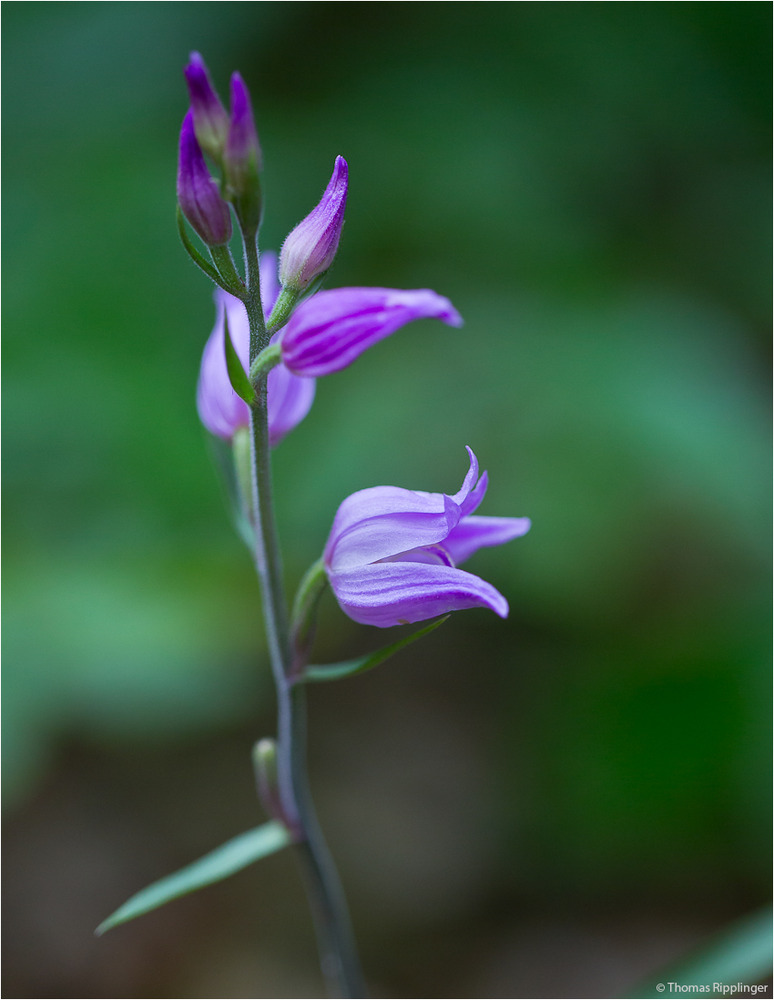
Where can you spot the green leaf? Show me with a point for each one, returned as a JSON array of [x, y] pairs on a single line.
[[227, 859], [193, 253], [240, 383], [742, 953], [334, 671]]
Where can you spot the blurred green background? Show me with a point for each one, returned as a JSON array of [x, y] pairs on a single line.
[[548, 807]]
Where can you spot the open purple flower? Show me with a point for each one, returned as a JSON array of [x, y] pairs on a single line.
[[391, 557], [220, 409], [331, 329]]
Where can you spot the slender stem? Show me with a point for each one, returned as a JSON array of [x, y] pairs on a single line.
[[338, 956]]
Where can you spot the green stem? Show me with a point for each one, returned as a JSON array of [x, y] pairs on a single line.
[[338, 956], [283, 307], [269, 358]]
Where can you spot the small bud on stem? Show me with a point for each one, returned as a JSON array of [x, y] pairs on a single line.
[[209, 115], [311, 247], [242, 160], [197, 192]]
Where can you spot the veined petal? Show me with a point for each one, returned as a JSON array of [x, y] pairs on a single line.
[[473, 500], [473, 533], [290, 398], [384, 521], [238, 323], [269, 282], [469, 481], [331, 329], [397, 593], [220, 409], [434, 555]]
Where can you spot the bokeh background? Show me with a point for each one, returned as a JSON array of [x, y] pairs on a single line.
[[554, 806]]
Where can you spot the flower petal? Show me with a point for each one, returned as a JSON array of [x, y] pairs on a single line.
[[290, 398], [331, 329], [473, 533], [220, 409], [469, 481], [397, 593], [383, 521], [269, 282], [473, 500]]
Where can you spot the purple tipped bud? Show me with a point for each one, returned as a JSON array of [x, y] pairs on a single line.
[[310, 249], [209, 115], [198, 193], [242, 158]]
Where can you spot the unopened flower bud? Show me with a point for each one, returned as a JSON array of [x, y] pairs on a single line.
[[310, 249], [209, 115], [197, 192], [242, 158], [265, 765]]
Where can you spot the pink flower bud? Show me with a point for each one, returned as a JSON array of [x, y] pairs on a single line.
[[310, 249]]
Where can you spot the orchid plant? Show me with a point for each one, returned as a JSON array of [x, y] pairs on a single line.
[[392, 554]]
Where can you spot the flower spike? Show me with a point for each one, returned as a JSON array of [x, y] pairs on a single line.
[[311, 247], [197, 192]]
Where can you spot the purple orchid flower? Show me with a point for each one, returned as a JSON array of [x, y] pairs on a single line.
[[198, 193], [220, 409], [309, 250], [330, 330], [391, 557]]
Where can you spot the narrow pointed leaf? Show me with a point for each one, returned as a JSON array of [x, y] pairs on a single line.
[[742, 953], [347, 668], [193, 253], [227, 859], [240, 383]]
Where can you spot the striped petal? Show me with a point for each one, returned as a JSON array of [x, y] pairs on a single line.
[[399, 593], [220, 409], [383, 521], [331, 329], [473, 533]]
